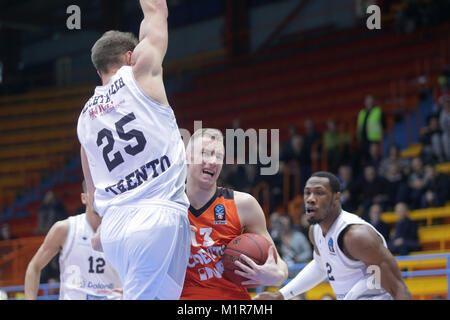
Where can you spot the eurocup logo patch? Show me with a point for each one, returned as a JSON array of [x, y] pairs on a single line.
[[219, 214], [330, 245]]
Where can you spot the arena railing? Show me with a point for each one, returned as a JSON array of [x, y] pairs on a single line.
[[45, 288], [405, 273]]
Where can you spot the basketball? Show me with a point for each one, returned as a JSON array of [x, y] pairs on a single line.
[[254, 246]]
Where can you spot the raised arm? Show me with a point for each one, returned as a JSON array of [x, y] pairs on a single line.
[[364, 244], [52, 244], [149, 54], [253, 220]]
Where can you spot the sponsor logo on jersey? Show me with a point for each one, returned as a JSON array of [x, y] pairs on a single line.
[[219, 214], [99, 105], [330, 245]]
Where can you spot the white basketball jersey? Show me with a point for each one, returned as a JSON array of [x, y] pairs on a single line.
[[133, 145], [84, 273], [349, 279]]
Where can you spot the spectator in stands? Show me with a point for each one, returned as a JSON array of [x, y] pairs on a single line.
[[349, 197], [50, 211], [437, 188], [396, 186], [431, 138], [375, 220], [370, 125], [374, 159], [416, 182], [6, 233], [441, 95], [394, 157], [53, 291], [310, 150], [295, 247], [444, 121], [406, 237], [287, 145], [276, 229], [242, 177], [372, 189], [331, 144], [51, 270], [299, 154]]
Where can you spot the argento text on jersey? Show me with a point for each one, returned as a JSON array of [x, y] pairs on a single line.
[[139, 176]]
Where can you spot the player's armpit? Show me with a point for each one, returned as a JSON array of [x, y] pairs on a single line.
[[363, 243]]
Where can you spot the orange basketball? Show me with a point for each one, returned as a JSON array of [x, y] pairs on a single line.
[[254, 246]]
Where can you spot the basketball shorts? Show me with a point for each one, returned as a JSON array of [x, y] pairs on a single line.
[[149, 246]]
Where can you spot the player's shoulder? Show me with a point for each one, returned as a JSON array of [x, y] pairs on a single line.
[[359, 235], [62, 225], [244, 199], [58, 232]]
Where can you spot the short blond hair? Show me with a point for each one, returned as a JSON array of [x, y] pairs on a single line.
[[213, 134]]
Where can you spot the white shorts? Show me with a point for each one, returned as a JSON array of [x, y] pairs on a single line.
[[149, 246]]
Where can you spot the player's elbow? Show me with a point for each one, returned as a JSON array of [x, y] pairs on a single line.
[[33, 270], [152, 7]]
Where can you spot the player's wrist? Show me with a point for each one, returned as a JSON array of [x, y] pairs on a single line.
[[280, 296]]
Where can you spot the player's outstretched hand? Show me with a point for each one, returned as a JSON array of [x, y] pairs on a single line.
[[269, 296], [268, 274]]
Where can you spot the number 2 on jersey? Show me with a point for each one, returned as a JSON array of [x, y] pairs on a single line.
[[117, 158], [329, 270]]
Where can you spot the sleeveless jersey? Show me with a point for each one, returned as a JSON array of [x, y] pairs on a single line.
[[133, 145], [84, 273], [217, 224], [346, 276]]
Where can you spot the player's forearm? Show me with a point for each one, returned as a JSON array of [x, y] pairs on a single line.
[[284, 272], [32, 277], [308, 278], [400, 292]]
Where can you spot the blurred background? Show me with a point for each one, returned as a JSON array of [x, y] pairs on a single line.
[[310, 68]]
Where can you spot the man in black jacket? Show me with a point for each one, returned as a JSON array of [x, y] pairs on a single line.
[[405, 238]]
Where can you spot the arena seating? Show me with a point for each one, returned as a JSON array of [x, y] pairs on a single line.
[[312, 83], [38, 129]]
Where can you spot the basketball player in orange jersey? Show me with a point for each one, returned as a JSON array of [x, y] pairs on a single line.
[[217, 215]]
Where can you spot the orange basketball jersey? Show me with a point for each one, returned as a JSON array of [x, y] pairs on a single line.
[[217, 224]]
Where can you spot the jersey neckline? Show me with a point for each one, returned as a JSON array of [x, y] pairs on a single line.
[[198, 212]]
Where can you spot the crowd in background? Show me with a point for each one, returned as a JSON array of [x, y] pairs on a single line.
[[372, 183]]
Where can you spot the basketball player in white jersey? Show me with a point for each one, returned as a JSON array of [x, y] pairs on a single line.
[[84, 273], [347, 250], [133, 160]]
